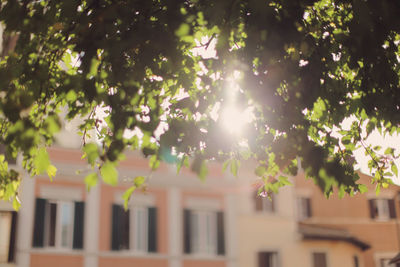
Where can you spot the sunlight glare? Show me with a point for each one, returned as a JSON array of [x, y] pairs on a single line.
[[234, 120]]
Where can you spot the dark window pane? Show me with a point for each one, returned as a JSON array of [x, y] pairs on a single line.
[[52, 224]]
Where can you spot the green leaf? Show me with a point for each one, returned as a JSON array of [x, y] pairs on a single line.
[[183, 30], [16, 203], [127, 196], [91, 152], [93, 67], [109, 173], [199, 166], [260, 171], [377, 189], [154, 162], [41, 161], [389, 151], [91, 180], [183, 162], [394, 169], [234, 166], [51, 171], [226, 164], [362, 188], [139, 180]]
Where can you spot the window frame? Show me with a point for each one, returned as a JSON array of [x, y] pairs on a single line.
[[133, 242], [304, 208], [58, 237], [205, 233], [275, 254], [382, 209], [313, 252], [264, 205], [40, 239]]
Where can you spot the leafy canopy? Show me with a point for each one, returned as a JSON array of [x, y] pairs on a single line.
[[302, 67]]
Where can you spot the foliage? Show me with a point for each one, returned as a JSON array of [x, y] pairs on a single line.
[[302, 66]]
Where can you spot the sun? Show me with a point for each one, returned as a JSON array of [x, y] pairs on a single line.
[[234, 119]]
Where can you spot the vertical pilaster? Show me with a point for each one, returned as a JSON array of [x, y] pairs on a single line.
[[91, 232], [174, 227], [25, 221], [230, 230]]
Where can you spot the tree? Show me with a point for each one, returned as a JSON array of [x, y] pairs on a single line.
[[302, 67]]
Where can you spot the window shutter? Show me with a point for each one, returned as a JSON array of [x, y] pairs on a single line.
[[120, 228], [308, 206], [11, 250], [78, 225], [152, 230], [392, 208], [371, 208], [220, 233], [38, 229], [356, 261], [116, 229], [186, 231]]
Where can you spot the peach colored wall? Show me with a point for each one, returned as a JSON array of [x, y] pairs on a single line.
[[79, 185], [125, 262], [203, 263], [66, 155], [107, 199], [202, 194], [45, 260]]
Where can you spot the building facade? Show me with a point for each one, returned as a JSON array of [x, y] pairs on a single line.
[[371, 218], [176, 221]]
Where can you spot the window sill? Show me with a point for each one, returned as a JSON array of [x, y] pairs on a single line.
[[131, 253], [64, 251], [204, 257]]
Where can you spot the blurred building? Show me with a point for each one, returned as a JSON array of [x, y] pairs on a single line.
[[372, 218], [180, 221]]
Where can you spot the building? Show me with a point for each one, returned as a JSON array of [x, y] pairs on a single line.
[[367, 217], [180, 221], [177, 221], [277, 233]]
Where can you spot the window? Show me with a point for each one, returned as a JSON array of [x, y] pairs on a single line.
[[265, 204], [134, 229], [382, 209], [303, 208], [7, 236], [268, 259], [204, 232], [319, 259], [58, 224], [385, 263]]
